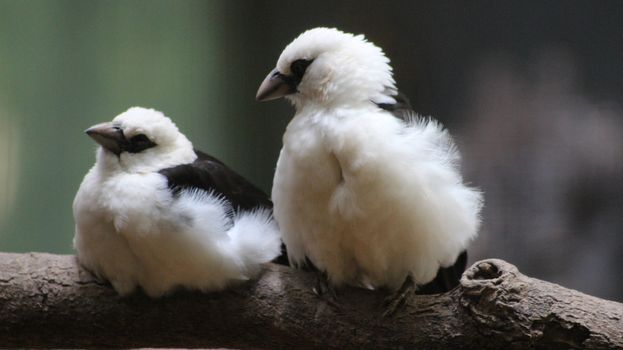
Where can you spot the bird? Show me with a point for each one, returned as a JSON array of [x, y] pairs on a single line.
[[155, 214], [365, 190]]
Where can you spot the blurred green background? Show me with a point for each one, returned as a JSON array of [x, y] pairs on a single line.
[[531, 90], [66, 65]]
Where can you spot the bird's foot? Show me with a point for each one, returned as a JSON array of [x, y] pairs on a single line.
[[394, 302], [325, 291]]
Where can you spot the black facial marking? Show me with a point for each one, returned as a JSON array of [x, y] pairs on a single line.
[[298, 67], [139, 143], [297, 70], [136, 144]]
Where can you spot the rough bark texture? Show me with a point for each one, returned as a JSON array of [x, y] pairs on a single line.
[[49, 301]]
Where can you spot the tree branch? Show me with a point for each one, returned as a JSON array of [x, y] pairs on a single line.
[[48, 301]]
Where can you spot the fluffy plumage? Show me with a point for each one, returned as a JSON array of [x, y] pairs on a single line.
[[151, 213], [368, 197]]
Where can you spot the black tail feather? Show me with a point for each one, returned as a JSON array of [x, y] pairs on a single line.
[[447, 277]]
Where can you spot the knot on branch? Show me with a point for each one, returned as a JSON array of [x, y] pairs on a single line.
[[485, 271], [489, 269], [486, 275], [491, 291]]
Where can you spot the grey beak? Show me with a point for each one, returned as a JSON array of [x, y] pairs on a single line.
[[274, 86], [108, 136]]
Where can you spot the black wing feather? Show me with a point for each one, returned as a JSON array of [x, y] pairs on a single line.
[[447, 277], [210, 174], [401, 109]]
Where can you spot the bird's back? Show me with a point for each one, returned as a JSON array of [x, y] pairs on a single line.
[[210, 174], [369, 197]]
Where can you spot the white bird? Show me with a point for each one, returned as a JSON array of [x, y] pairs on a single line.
[[156, 214], [365, 189]]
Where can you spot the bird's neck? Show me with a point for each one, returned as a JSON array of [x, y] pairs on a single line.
[[312, 108]]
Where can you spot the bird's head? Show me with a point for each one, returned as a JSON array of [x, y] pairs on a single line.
[[328, 67], [141, 140]]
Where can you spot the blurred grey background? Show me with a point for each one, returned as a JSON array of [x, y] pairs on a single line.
[[531, 90]]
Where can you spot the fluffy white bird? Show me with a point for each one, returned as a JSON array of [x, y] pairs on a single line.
[[154, 213], [365, 189]]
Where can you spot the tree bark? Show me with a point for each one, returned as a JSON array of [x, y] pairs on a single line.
[[49, 301]]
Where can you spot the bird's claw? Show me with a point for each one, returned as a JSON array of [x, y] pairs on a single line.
[[394, 302], [325, 292]]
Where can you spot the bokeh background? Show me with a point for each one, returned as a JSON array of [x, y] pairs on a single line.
[[531, 90]]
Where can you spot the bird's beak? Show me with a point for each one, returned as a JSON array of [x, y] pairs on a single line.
[[274, 86], [107, 135]]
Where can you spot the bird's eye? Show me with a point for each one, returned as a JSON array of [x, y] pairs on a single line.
[[298, 67], [140, 138], [138, 143]]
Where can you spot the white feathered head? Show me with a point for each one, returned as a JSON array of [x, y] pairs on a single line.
[[329, 67], [141, 140]]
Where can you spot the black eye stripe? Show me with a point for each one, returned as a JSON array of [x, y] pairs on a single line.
[[137, 143], [299, 67], [139, 138]]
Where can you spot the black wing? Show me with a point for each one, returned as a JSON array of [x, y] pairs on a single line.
[[447, 277], [210, 174], [401, 109]]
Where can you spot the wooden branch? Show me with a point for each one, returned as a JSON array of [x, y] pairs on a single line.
[[48, 301]]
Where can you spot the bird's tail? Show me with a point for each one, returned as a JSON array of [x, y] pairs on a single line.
[[255, 238]]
